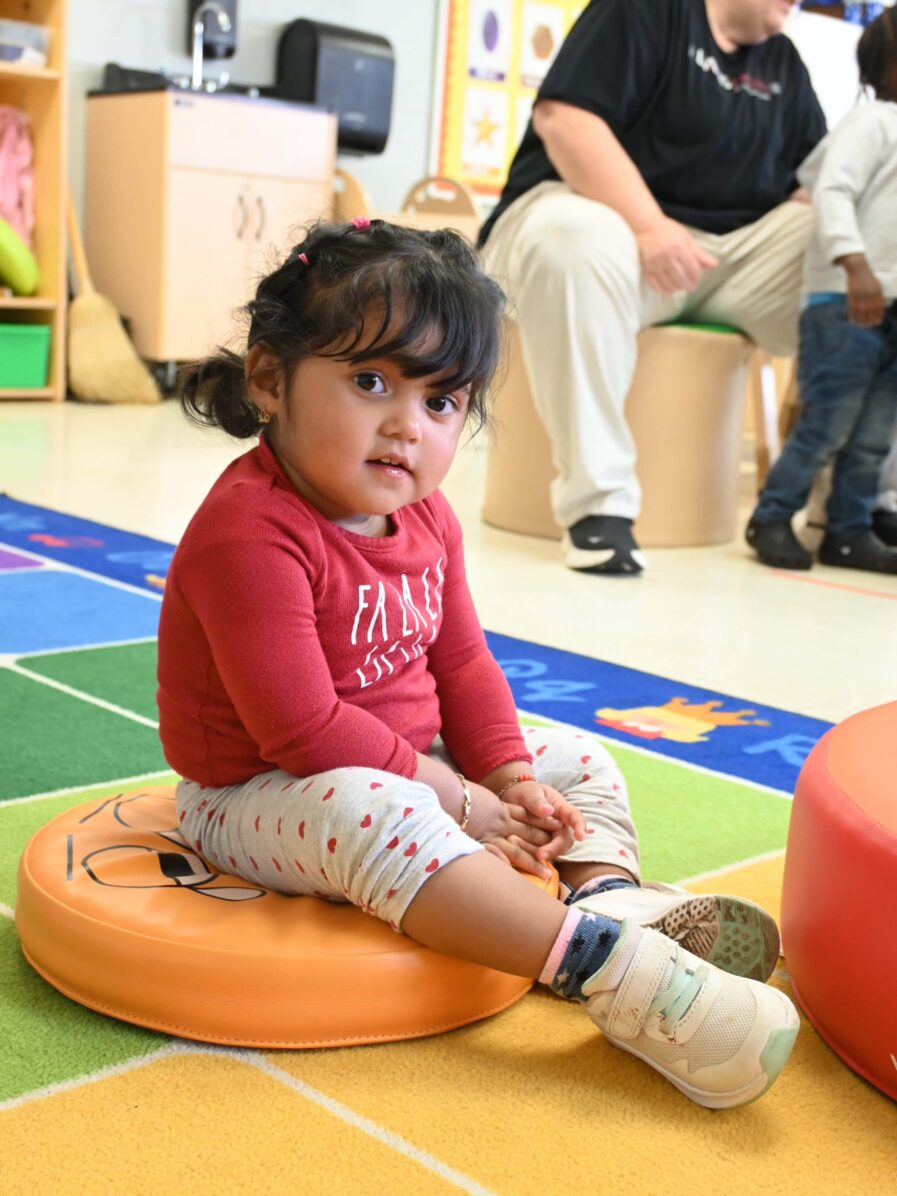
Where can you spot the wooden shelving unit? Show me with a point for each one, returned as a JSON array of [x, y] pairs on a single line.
[[42, 94]]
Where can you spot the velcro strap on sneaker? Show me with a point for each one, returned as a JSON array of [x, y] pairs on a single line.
[[640, 984]]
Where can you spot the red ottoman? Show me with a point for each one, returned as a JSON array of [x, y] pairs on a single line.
[[839, 896]]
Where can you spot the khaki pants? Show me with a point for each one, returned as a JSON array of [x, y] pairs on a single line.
[[571, 269]]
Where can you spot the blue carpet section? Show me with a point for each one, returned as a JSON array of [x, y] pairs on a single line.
[[47, 608], [137, 560], [44, 609], [716, 731]]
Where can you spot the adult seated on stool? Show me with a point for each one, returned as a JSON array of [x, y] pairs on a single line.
[[650, 186]]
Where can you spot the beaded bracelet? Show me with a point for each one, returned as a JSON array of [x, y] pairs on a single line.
[[521, 776]]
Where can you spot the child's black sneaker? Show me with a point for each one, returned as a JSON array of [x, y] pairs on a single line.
[[865, 552], [776, 545], [603, 544], [884, 524]]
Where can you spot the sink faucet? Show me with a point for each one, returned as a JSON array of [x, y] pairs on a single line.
[[224, 24]]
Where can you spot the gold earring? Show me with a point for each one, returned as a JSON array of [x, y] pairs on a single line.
[[264, 417]]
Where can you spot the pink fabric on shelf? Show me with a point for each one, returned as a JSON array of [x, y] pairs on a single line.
[[16, 175]]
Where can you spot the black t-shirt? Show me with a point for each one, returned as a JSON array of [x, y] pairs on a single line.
[[717, 137]]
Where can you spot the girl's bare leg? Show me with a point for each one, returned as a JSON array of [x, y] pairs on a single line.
[[477, 908]]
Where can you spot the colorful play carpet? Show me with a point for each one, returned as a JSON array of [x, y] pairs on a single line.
[[530, 1101]]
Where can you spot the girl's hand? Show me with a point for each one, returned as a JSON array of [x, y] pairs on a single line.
[[548, 810], [506, 830]]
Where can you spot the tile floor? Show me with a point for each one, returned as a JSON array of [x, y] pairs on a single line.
[[823, 643]]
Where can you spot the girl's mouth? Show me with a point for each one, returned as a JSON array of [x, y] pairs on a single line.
[[392, 466]]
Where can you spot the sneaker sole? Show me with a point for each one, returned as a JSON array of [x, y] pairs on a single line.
[[734, 935], [609, 560]]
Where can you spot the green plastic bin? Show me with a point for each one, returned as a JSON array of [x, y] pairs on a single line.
[[24, 356]]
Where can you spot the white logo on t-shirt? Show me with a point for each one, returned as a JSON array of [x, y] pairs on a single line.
[[408, 616], [747, 83]]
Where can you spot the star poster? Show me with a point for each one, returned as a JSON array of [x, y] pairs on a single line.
[[495, 54]]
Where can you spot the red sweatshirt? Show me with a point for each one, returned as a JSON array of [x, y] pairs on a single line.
[[288, 642]]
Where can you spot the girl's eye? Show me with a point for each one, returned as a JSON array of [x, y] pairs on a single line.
[[442, 404], [371, 383]]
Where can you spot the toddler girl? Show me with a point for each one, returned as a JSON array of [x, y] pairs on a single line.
[[326, 691]]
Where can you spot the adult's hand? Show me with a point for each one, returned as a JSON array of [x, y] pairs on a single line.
[[865, 299], [671, 260]]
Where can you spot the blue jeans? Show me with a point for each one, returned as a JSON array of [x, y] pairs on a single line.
[[847, 379]]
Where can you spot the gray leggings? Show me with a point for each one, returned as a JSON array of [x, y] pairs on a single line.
[[373, 838]]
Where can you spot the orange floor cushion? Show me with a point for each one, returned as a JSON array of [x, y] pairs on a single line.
[[116, 912], [839, 893]]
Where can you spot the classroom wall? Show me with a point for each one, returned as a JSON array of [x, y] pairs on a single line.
[[150, 35], [828, 47]]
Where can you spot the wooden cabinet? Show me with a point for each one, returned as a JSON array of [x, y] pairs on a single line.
[[190, 198], [40, 92]]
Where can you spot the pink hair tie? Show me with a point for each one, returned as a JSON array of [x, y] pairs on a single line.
[[301, 257], [360, 222]]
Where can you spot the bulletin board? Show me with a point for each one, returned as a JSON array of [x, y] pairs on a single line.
[[493, 56]]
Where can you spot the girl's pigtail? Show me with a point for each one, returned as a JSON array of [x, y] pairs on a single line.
[[213, 393]]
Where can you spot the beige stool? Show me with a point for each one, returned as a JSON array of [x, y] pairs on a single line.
[[686, 413]]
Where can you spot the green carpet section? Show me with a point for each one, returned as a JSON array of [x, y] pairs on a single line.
[[48, 1038], [692, 822], [55, 741], [19, 821], [124, 675]]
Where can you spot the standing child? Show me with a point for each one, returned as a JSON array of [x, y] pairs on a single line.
[[847, 365], [326, 691]]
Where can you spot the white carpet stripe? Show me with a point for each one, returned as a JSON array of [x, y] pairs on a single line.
[[84, 697], [7, 911], [105, 1073], [86, 789], [746, 863], [642, 751], [350, 1117], [143, 639]]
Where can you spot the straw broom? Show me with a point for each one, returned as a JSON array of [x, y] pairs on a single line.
[[103, 365]]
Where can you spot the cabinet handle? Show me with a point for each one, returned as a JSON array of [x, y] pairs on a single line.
[[243, 215], [263, 217]]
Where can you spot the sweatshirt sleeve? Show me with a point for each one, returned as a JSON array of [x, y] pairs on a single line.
[[853, 153], [480, 727], [254, 600]]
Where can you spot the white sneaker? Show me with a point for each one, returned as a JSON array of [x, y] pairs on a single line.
[[729, 932], [721, 1039]]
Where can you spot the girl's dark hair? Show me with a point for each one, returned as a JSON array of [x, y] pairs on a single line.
[[357, 291], [877, 54]]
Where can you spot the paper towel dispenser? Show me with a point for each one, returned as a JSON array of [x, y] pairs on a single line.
[[346, 70]]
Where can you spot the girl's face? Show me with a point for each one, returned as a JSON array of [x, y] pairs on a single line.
[[363, 440]]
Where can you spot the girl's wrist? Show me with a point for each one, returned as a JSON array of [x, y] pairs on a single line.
[[498, 777], [518, 779]]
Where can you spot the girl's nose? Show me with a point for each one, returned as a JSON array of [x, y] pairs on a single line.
[[403, 423]]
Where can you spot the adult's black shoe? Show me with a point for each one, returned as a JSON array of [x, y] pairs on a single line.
[[776, 545], [603, 544], [865, 552]]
